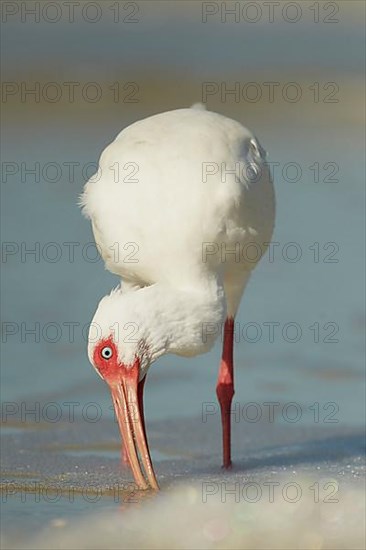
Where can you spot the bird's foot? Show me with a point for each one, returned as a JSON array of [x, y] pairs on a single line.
[[227, 466]]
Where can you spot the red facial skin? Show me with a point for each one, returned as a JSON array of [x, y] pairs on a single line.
[[109, 369]]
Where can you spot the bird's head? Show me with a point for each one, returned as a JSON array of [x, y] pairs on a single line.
[[118, 350], [118, 336]]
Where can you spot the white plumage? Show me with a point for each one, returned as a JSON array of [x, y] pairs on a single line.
[[176, 201]]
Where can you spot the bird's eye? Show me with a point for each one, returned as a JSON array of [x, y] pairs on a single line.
[[106, 352]]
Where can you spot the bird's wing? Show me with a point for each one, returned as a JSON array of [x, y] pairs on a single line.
[[169, 208]]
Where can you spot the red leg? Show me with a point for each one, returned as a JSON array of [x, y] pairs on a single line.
[[140, 398], [225, 389]]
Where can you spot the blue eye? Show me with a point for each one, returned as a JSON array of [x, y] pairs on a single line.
[[107, 352]]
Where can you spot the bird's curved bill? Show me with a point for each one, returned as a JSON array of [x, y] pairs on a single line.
[[130, 421]]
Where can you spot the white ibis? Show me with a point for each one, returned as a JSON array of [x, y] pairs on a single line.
[[182, 209]]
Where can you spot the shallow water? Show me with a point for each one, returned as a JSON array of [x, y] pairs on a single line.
[[55, 480]]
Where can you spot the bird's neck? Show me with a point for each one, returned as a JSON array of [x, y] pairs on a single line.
[[181, 321]]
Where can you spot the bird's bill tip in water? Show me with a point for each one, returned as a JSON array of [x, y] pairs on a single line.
[[129, 417], [123, 381]]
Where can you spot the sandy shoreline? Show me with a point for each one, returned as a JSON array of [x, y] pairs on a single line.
[[57, 478]]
